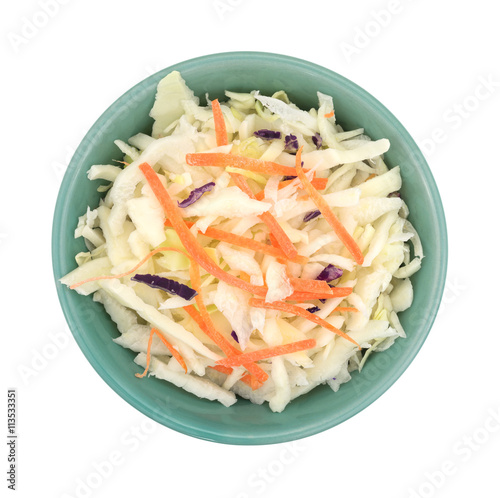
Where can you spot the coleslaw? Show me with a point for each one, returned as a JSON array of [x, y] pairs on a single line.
[[249, 247]]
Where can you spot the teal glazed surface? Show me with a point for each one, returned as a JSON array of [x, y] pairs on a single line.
[[245, 423]]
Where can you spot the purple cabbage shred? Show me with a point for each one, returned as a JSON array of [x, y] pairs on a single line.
[[167, 285], [311, 215], [286, 178], [317, 140], [314, 309], [394, 194], [234, 336], [330, 273], [267, 134], [196, 194], [291, 143]]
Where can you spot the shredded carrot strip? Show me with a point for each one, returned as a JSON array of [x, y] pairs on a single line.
[[297, 310], [262, 354], [283, 240], [252, 381], [317, 183], [308, 285], [195, 315], [307, 296], [346, 309], [274, 241], [224, 370], [244, 276], [300, 297], [239, 240], [205, 323], [247, 379], [330, 114], [209, 327], [220, 124], [171, 348], [132, 270], [221, 160], [373, 175], [281, 237], [188, 239], [327, 213], [148, 356]]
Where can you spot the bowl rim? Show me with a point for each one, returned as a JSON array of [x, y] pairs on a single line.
[[381, 388]]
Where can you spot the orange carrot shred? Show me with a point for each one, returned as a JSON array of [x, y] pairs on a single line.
[[246, 242], [247, 379], [343, 309], [148, 356], [297, 310], [281, 237], [274, 241], [188, 239], [244, 276], [171, 348], [373, 175], [330, 114], [308, 285], [224, 370], [222, 160], [307, 296], [262, 354], [220, 124], [327, 212], [252, 381]]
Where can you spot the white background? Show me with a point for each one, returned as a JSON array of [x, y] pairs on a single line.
[[427, 62]]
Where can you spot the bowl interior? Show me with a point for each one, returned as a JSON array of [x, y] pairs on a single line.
[[245, 423]]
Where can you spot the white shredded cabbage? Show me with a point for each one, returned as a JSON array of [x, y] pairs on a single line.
[[203, 388], [277, 281], [233, 304], [229, 201]]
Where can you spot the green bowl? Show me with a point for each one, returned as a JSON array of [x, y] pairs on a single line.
[[245, 423]]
